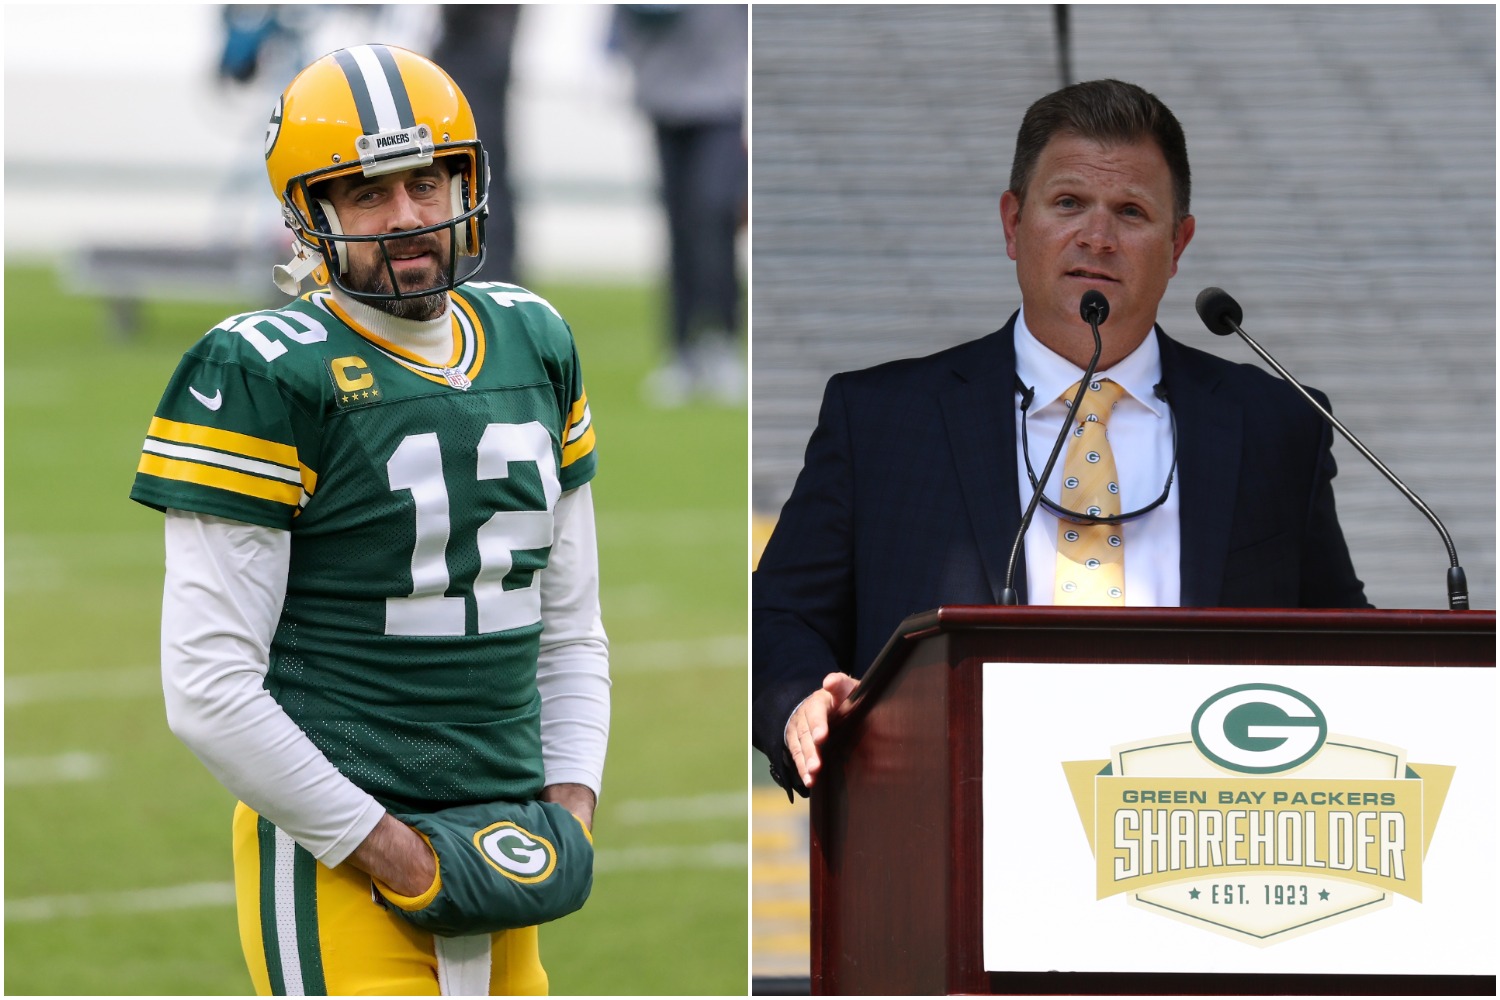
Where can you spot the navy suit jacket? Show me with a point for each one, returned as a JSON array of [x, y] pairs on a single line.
[[908, 500]]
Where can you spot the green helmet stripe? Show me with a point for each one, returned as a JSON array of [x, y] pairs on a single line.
[[404, 116], [369, 124]]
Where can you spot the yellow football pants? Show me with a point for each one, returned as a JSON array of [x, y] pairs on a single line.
[[309, 930]]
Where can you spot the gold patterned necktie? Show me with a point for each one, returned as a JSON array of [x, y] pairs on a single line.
[[1091, 557]]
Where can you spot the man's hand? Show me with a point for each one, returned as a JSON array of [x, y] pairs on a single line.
[[808, 726], [395, 854], [577, 799]]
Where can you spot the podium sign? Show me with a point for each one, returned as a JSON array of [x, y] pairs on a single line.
[[1156, 801], [1217, 818]]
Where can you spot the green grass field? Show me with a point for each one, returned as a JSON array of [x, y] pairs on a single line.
[[116, 839]]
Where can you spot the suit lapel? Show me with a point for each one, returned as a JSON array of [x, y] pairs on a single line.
[[1210, 424], [980, 416]]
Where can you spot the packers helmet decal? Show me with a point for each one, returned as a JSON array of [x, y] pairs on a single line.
[[273, 128], [372, 110]]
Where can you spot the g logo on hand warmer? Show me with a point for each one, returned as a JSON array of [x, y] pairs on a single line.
[[516, 853], [524, 879]]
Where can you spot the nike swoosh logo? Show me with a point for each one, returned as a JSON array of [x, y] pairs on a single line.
[[212, 402]]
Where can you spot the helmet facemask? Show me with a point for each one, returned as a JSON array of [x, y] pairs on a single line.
[[319, 227]]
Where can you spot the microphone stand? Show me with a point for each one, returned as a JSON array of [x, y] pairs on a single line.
[[1094, 309], [1458, 584]]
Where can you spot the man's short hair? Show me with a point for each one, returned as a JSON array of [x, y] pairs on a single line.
[[1108, 112]]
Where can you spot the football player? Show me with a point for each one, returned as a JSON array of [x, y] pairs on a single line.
[[380, 623]]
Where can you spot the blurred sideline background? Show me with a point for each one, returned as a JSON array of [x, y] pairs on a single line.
[[137, 215], [169, 154], [1344, 187]]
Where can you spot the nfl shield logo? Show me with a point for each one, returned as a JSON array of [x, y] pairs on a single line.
[[457, 379]]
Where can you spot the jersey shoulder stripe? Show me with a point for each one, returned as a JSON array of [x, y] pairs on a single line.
[[579, 441], [222, 440], [190, 454]]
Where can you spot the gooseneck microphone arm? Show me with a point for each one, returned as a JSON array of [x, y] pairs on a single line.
[[1222, 315], [1094, 309]]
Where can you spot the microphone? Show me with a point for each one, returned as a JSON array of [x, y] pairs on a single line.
[[1222, 315], [1093, 308]]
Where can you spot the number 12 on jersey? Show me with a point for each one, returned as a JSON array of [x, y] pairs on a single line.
[[417, 465]]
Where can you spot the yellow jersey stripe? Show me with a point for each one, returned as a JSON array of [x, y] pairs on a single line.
[[223, 479], [203, 456], [578, 437], [479, 338], [222, 440], [578, 449], [578, 428]]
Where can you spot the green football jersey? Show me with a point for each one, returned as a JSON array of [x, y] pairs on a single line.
[[420, 501]]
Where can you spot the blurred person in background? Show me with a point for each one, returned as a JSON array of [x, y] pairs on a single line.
[[380, 620], [691, 80], [475, 46]]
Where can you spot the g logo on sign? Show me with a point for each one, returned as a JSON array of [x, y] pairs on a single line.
[[1259, 728], [516, 853]]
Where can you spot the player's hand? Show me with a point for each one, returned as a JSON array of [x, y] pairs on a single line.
[[577, 799], [397, 855], [808, 726]]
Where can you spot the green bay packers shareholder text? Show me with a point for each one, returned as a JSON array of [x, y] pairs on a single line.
[[1184, 796], [1367, 842]]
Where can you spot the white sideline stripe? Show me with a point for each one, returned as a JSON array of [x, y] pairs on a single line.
[[73, 766], [726, 854], [133, 682], [177, 897], [80, 685], [680, 654], [196, 895], [716, 805], [677, 528]]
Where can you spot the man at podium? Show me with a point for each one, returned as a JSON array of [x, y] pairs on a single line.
[[1184, 480]]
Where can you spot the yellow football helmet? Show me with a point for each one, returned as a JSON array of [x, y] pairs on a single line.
[[372, 109]]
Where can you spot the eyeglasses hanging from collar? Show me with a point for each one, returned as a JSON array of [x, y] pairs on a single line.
[[1080, 517]]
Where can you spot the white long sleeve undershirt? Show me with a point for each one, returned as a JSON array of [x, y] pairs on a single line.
[[225, 585]]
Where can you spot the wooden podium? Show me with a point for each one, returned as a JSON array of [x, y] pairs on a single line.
[[897, 813]]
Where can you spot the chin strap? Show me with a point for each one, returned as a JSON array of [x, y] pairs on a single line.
[[288, 277]]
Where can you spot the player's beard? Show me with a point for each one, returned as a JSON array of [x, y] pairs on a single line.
[[368, 274]]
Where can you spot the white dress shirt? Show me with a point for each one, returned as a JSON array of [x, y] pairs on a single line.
[[1140, 434]]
